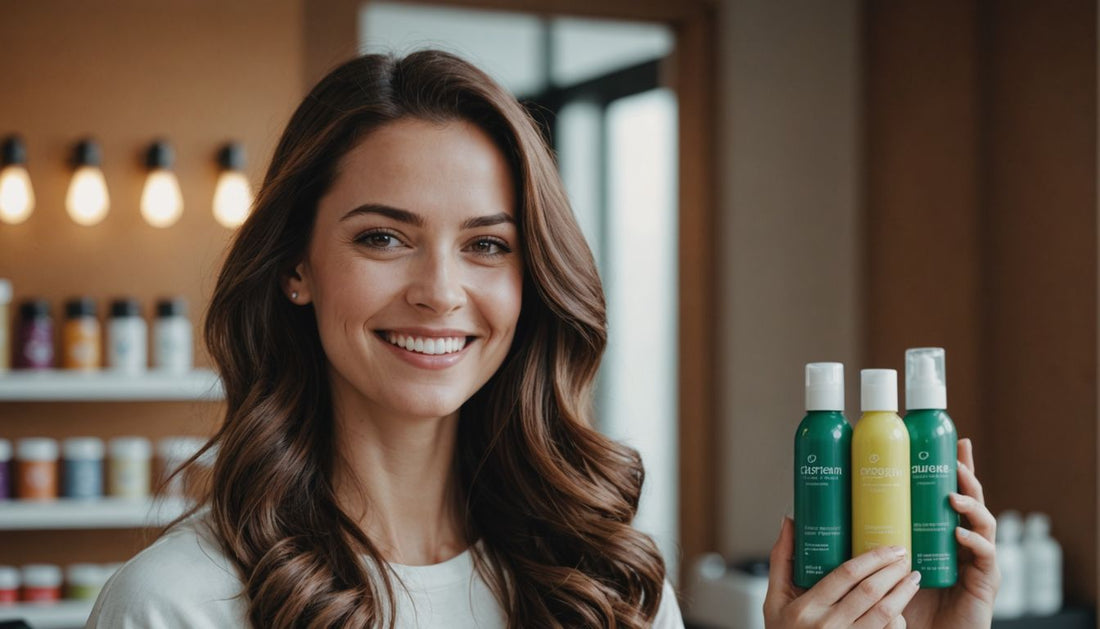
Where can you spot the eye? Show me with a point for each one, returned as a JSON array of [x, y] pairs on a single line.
[[379, 239], [491, 247]]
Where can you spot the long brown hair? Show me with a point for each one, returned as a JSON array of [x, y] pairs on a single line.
[[550, 498]]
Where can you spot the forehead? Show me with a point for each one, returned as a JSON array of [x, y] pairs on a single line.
[[426, 167]]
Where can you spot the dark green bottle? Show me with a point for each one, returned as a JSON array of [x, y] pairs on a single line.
[[933, 456], [822, 482]]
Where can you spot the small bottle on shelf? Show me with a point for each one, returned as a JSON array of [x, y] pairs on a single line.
[[83, 581], [5, 326], [34, 347], [129, 469], [41, 583], [126, 337], [80, 345], [172, 336], [6, 492], [82, 475], [36, 464], [9, 585]]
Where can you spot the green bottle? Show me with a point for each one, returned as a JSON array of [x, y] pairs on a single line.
[[933, 455], [822, 487]]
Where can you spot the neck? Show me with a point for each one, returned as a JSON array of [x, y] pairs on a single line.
[[394, 476]]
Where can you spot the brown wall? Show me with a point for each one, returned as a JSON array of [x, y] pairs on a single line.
[[198, 72], [981, 210]]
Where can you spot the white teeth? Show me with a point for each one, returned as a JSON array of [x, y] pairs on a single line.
[[429, 346]]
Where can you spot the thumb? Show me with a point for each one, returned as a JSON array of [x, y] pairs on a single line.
[[779, 572]]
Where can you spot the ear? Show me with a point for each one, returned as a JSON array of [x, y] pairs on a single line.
[[296, 284]]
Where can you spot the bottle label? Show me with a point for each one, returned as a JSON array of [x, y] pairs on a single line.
[[933, 472], [822, 506]]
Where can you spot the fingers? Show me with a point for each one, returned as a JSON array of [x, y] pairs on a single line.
[[985, 553], [867, 598], [839, 582], [981, 520], [966, 452], [779, 572], [887, 613], [968, 483]]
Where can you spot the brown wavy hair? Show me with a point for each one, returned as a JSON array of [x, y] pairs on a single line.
[[550, 499]]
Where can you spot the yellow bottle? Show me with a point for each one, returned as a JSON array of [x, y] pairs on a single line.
[[880, 467]]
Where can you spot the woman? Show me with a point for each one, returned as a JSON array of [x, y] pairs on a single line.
[[407, 329]]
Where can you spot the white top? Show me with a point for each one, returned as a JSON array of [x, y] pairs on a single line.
[[824, 387], [879, 390], [184, 580]]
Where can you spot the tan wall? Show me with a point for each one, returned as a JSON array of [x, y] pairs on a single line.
[[198, 72], [789, 257]]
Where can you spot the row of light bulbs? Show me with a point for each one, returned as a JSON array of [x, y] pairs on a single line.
[[87, 200]]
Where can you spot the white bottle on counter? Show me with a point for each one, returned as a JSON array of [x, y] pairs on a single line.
[[1011, 601], [1043, 565]]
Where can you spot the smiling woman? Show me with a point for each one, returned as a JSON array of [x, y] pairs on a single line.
[[408, 327]]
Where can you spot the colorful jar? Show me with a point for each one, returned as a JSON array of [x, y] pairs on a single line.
[[5, 325], [83, 581], [130, 467], [34, 346], [172, 336], [36, 465], [82, 469], [6, 491], [9, 585], [126, 337], [80, 345], [41, 583]]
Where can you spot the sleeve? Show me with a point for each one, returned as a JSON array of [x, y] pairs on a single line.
[[668, 614], [128, 602]]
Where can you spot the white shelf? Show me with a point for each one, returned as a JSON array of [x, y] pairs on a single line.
[[59, 615], [101, 513], [60, 385]]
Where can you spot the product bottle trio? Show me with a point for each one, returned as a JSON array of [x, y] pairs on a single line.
[[885, 483]]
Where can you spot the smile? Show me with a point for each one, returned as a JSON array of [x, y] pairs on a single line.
[[431, 346]]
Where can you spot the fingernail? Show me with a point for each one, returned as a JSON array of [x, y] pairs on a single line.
[[963, 533], [914, 577], [899, 551]]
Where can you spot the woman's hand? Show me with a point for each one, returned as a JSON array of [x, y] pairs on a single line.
[[969, 604], [870, 590]]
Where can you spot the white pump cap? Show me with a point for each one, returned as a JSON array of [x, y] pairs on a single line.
[[1009, 527], [824, 387], [925, 379], [1037, 526], [879, 390]]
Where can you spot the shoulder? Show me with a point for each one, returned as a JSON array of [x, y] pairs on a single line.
[[668, 614], [182, 580]]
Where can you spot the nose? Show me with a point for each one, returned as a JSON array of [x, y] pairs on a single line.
[[436, 285]]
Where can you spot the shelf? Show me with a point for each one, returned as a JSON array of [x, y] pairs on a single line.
[[59, 385], [102, 513], [59, 615]]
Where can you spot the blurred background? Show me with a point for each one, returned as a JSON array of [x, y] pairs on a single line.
[[764, 184]]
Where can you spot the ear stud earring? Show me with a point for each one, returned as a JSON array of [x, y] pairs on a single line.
[[294, 296]]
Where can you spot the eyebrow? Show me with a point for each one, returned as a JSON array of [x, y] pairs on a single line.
[[411, 218]]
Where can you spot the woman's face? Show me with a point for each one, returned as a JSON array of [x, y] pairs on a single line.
[[414, 268]]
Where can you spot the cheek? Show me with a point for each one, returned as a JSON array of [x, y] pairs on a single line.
[[503, 302]]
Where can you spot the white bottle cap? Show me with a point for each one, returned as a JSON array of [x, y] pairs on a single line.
[[36, 449], [1009, 524], [82, 448], [5, 292], [131, 448], [5, 450], [879, 390], [824, 387], [1037, 526], [9, 578], [41, 575], [925, 379]]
